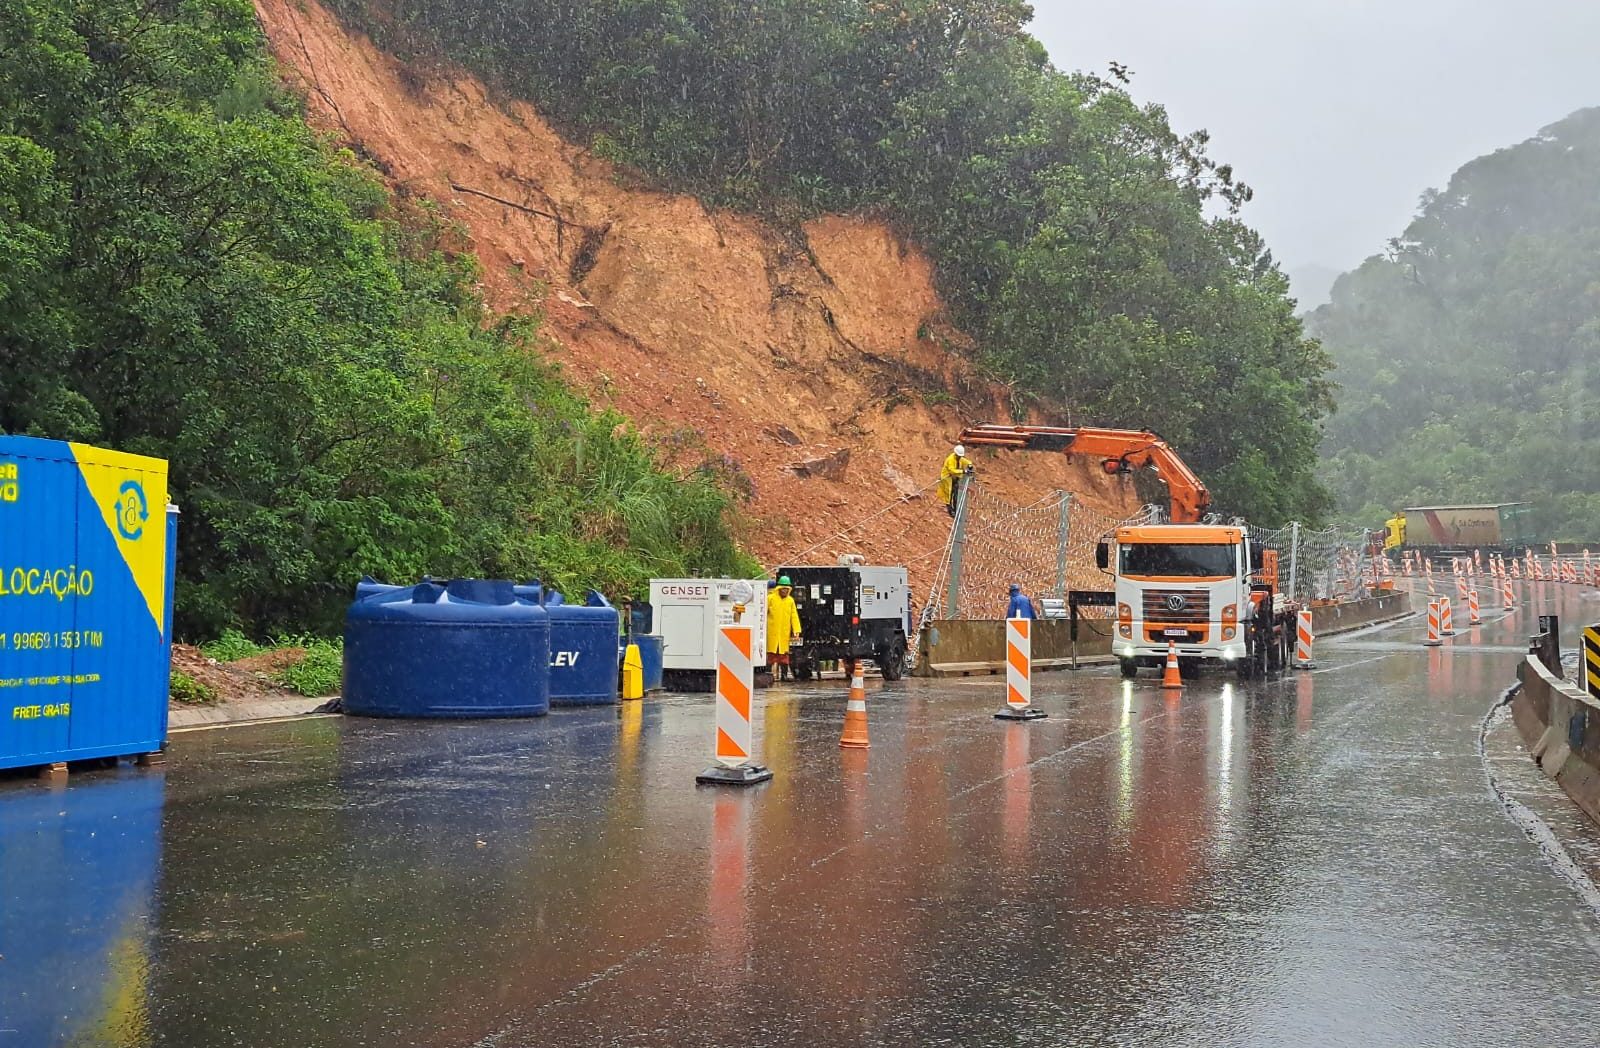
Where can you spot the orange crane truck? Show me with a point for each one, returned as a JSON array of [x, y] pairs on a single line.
[[1207, 589]]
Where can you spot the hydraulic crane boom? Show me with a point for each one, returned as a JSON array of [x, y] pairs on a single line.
[[1121, 451]]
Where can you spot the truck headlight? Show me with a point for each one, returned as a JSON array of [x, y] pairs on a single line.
[[1228, 633]]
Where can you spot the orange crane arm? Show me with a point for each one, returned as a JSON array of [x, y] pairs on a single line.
[[1121, 451]]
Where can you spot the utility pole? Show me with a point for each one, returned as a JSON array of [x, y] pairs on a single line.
[[1294, 558], [1063, 534], [958, 538]]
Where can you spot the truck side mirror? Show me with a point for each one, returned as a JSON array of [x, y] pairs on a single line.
[[1258, 558], [1102, 555]]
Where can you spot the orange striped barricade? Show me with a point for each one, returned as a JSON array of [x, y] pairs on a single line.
[[1433, 640], [1461, 586], [1302, 641], [1474, 618], [735, 694], [1508, 598], [1019, 673], [1447, 626]]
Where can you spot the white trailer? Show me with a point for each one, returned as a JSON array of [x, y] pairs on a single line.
[[687, 615]]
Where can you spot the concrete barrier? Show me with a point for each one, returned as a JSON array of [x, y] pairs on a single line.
[[962, 647], [1357, 614], [1560, 725]]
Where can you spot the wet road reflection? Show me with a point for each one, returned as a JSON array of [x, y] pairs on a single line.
[[1309, 861]]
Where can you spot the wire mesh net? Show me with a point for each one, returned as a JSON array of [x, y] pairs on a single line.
[[1328, 564], [1046, 546]]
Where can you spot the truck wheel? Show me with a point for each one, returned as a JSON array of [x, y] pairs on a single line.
[[1129, 668], [893, 665]]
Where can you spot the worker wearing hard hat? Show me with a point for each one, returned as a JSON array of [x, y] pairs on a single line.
[[957, 468], [783, 626]]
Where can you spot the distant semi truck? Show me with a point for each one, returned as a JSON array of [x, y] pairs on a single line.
[[1492, 526]]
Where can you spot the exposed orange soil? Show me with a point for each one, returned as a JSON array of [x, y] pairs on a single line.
[[709, 330]]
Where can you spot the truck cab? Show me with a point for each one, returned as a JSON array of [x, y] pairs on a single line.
[[1192, 585]]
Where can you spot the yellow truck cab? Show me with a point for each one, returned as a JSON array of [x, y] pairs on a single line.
[[1196, 586]]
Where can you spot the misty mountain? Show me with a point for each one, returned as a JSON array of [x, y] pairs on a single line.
[[1469, 353]]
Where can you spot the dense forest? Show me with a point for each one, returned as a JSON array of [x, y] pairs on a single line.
[[1469, 353], [187, 271], [1095, 253]]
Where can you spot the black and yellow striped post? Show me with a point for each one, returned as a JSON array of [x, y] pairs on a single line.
[[1591, 660]]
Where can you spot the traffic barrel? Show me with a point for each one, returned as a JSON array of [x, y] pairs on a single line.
[[735, 692], [1507, 597], [1435, 610], [1019, 672], [1473, 617], [1447, 625], [855, 711], [1172, 677], [1302, 640]]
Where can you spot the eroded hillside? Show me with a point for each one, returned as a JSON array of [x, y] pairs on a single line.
[[817, 363]]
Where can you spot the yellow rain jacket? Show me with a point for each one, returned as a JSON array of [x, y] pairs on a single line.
[[954, 466], [783, 621]]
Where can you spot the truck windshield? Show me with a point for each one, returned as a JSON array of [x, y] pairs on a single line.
[[1179, 560]]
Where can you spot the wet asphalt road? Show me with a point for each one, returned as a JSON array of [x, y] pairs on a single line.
[[1316, 861]]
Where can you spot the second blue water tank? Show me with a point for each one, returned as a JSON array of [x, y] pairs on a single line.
[[465, 648], [583, 651]]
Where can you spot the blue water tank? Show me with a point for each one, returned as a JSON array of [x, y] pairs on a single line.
[[583, 650], [464, 648], [651, 652]]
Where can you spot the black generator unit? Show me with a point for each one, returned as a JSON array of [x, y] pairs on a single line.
[[851, 612]]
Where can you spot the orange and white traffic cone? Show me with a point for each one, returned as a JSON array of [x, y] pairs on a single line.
[[855, 711], [1302, 641], [1508, 599], [1447, 624], [1019, 673], [1473, 616], [1434, 612], [1172, 678]]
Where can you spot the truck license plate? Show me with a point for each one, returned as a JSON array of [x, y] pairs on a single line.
[[1180, 634]]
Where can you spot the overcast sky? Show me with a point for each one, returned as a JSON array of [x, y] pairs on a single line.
[[1340, 112]]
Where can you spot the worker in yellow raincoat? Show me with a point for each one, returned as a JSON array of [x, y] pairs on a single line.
[[783, 626], [957, 468]]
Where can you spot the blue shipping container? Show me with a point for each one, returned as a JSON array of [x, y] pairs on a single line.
[[86, 566]]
